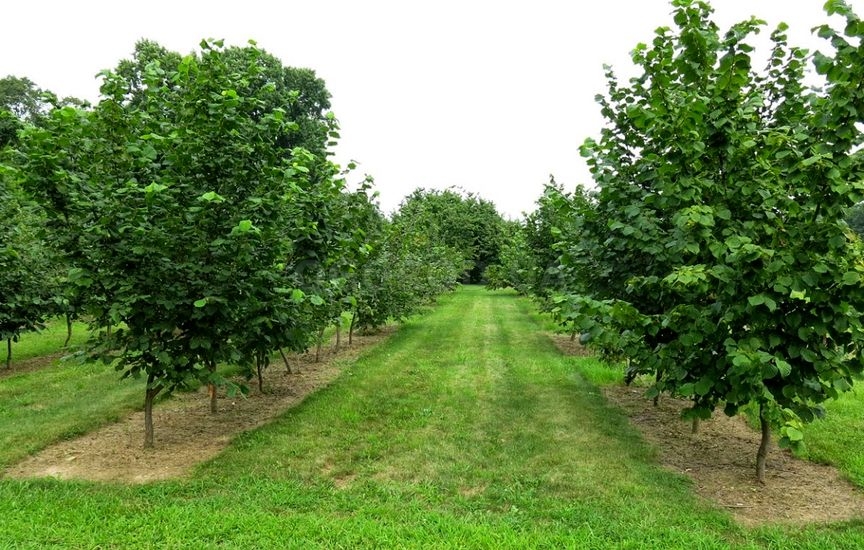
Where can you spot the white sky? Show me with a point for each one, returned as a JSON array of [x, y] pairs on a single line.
[[491, 96]]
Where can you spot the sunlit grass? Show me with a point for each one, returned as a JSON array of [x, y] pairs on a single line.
[[467, 429], [837, 438], [47, 341]]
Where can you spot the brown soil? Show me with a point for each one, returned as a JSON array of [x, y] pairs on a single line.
[[186, 434], [721, 461], [30, 364], [569, 345]]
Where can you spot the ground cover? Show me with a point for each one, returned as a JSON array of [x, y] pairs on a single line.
[[466, 428]]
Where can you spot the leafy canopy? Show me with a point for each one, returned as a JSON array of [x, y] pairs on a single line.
[[723, 263]]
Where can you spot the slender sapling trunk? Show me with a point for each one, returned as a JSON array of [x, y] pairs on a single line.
[[8, 353], [338, 333], [318, 348], [762, 454], [285, 360], [68, 330], [351, 328], [258, 362], [149, 395], [211, 387]]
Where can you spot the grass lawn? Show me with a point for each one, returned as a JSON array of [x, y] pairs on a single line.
[[467, 429], [836, 439], [47, 341]]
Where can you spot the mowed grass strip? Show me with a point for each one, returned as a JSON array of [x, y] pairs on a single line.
[[467, 429]]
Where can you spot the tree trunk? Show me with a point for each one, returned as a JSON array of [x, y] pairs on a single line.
[[68, 330], [694, 426], [657, 397], [351, 328], [338, 333], [149, 396], [762, 454], [318, 348], [211, 388], [573, 336], [8, 353], [260, 376], [285, 360]]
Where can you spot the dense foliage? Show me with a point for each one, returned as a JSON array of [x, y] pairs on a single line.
[[28, 279], [201, 221], [193, 217], [464, 222]]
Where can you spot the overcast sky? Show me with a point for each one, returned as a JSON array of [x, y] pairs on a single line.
[[490, 96]]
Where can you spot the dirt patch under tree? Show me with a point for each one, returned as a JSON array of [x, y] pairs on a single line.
[[187, 434], [721, 460]]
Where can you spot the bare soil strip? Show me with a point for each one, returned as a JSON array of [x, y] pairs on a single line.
[[186, 433], [721, 461], [31, 364]]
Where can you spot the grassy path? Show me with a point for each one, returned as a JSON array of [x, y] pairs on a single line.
[[467, 429]]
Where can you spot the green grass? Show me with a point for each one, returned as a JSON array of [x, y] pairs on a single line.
[[836, 439], [467, 429], [44, 342], [62, 400]]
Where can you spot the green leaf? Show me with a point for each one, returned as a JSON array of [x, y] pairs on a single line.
[[798, 295], [244, 226], [851, 278], [822, 62], [741, 360], [155, 188], [200, 303], [783, 367], [793, 434], [703, 386], [211, 196]]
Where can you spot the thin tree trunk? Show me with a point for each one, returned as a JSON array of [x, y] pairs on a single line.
[[351, 328], [285, 360], [762, 454], [338, 333], [260, 375], [694, 426], [573, 336], [318, 348], [8, 353], [657, 397], [68, 330], [211, 388], [149, 396]]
